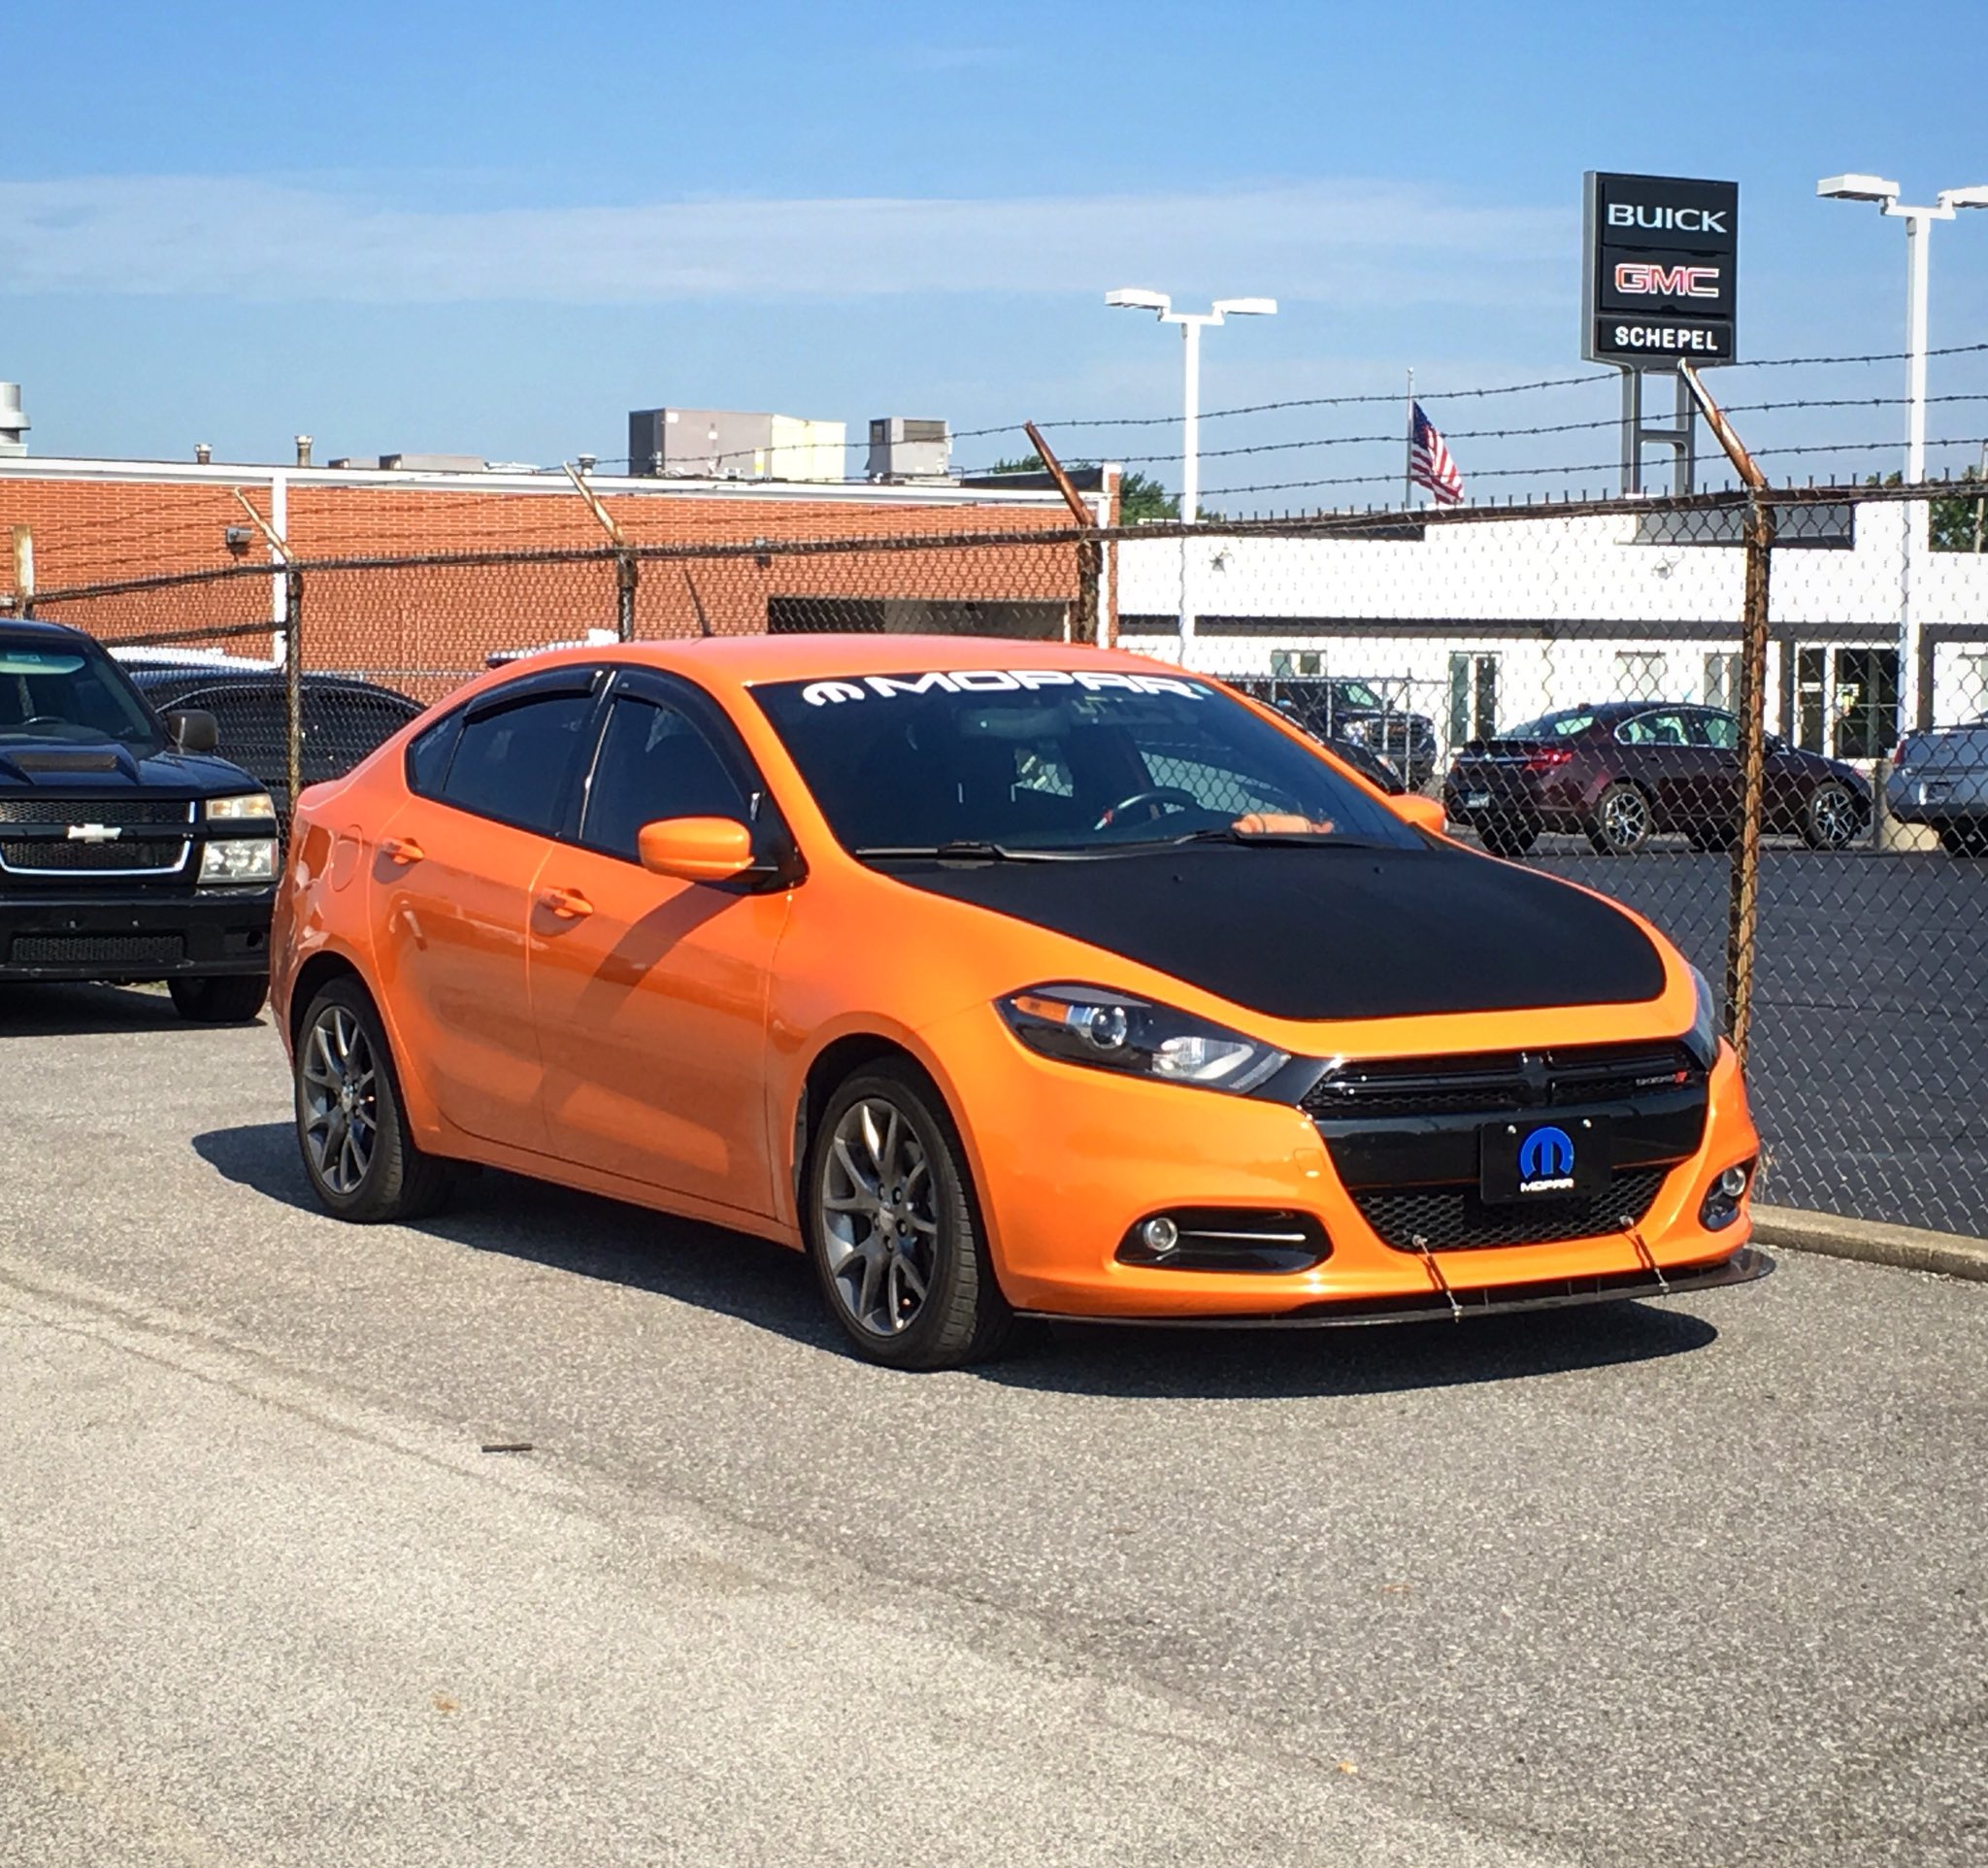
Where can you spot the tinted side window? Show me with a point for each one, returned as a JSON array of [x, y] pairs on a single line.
[[340, 728], [653, 763], [1716, 729], [1653, 729], [512, 764], [428, 755]]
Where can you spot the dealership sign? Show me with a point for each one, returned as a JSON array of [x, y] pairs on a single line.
[[1659, 270]]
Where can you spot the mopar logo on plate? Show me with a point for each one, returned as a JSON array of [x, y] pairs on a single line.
[[1546, 1162]]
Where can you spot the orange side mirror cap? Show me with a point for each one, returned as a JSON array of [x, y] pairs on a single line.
[[1425, 813], [695, 849]]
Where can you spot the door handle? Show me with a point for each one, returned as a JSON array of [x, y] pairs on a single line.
[[569, 904], [403, 850]]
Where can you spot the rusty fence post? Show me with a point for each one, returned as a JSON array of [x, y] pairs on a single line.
[[1090, 551], [626, 576], [293, 685], [1742, 917]]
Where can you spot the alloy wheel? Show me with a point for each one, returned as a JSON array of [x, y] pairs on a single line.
[[1833, 815], [879, 1223], [341, 1100], [1626, 817]]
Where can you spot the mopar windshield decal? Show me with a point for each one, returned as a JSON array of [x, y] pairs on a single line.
[[995, 681]]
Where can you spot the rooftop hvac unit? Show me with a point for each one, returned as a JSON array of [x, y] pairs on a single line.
[[699, 443], [901, 447], [14, 421]]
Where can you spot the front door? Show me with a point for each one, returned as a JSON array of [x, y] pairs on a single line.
[[453, 881], [649, 994]]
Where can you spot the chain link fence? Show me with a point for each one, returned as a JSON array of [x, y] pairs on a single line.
[[1574, 681]]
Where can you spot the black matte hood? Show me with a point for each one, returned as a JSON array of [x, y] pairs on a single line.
[[67, 769], [1330, 932]]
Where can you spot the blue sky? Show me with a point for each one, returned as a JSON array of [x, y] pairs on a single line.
[[495, 228]]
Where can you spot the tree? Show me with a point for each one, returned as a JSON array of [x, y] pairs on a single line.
[[1959, 523], [1141, 498]]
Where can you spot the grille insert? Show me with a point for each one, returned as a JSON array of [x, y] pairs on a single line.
[[125, 812], [1453, 1219], [1498, 1083], [90, 858], [98, 949]]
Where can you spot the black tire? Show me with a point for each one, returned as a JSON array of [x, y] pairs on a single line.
[[922, 1224], [396, 1181], [233, 999], [1709, 838], [1964, 839], [1622, 819], [1831, 818], [1508, 836]]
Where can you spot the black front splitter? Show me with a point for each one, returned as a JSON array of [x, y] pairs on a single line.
[[1745, 1267]]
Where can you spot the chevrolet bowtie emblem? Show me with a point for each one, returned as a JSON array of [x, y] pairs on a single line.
[[94, 832]]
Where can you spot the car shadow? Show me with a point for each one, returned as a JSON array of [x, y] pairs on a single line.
[[60, 1009], [772, 1288]]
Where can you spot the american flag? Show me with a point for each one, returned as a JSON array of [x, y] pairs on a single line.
[[1430, 464]]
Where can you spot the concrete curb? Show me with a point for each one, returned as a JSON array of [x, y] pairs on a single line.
[[1873, 1243]]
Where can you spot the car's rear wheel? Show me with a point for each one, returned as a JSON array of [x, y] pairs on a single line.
[[230, 1000], [352, 1129], [893, 1228], [1622, 819], [1964, 839], [1831, 819], [1510, 837]]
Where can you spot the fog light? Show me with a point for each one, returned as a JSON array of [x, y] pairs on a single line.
[[1721, 1205], [1160, 1234]]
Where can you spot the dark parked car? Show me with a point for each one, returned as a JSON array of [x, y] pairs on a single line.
[[1370, 766], [127, 851], [1352, 712], [1627, 770], [343, 717]]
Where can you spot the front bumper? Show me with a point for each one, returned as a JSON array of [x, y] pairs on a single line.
[[1066, 1160], [155, 935]]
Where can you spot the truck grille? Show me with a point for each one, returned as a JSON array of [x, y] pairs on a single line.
[[97, 950], [58, 814], [1455, 1220], [24, 857]]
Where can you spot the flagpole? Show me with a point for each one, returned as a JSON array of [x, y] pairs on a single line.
[[1409, 462]]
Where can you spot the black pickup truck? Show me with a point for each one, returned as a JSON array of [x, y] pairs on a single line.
[[127, 851]]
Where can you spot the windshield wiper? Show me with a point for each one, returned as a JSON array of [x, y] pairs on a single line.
[[961, 851], [1294, 839]]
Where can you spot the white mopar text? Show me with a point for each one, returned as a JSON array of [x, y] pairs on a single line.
[[995, 681]]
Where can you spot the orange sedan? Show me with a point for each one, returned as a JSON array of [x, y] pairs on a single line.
[[998, 978]]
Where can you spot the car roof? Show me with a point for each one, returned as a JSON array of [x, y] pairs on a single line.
[[31, 632], [202, 675]]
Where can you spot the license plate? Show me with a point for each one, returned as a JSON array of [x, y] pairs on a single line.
[[1520, 1162], [1475, 800]]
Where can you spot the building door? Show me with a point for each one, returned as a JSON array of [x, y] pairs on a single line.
[[1867, 703], [1473, 697]]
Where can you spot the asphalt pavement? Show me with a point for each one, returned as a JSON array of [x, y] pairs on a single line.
[[1867, 1074], [1701, 1584]]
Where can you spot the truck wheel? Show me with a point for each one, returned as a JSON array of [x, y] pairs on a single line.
[[233, 999]]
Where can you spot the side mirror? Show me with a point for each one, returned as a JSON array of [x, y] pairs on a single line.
[[695, 849], [193, 729], [1425, 813]]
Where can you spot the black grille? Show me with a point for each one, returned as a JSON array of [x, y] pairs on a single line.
[[97, 950], [90, 858], [1497, 1082], [1454, 1219], [125, 812]]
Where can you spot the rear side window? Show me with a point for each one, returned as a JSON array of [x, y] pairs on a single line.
[[428, 755], [512, 764], [654, 762]]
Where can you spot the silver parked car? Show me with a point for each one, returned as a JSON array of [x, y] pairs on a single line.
[[1941, 779]]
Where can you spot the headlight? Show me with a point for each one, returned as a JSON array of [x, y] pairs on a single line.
[[1357, 730], [1703, 1039], [246, 804], [1084, 1024], [239, 859]]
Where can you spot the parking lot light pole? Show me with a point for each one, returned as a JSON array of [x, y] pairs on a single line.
[[1918, 236], [1137, 299]]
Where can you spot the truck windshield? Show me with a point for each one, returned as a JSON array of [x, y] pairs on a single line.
[[1058, 760], [72, 696]]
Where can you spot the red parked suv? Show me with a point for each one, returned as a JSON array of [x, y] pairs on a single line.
[[1625, 771]]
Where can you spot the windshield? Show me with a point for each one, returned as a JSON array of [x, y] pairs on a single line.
[[1552, 726], [1047, 759], [1356, 693], [76, 696]]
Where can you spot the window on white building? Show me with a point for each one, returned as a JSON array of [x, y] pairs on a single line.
[[1722, 680], [1639, 675], [1973, 694]]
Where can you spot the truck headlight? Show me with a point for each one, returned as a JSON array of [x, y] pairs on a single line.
[[1084, 1024], [239, 859], [253, 805]]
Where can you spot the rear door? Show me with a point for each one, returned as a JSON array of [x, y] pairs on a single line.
[[1660, 758], [452, 882], [649, 994]]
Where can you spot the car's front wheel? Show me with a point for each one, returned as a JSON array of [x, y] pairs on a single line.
[[893, 1228], [351, 1126], [1832, 819], [233, 999]]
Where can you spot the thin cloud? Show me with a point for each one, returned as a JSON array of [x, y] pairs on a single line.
[[1341, 244]]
